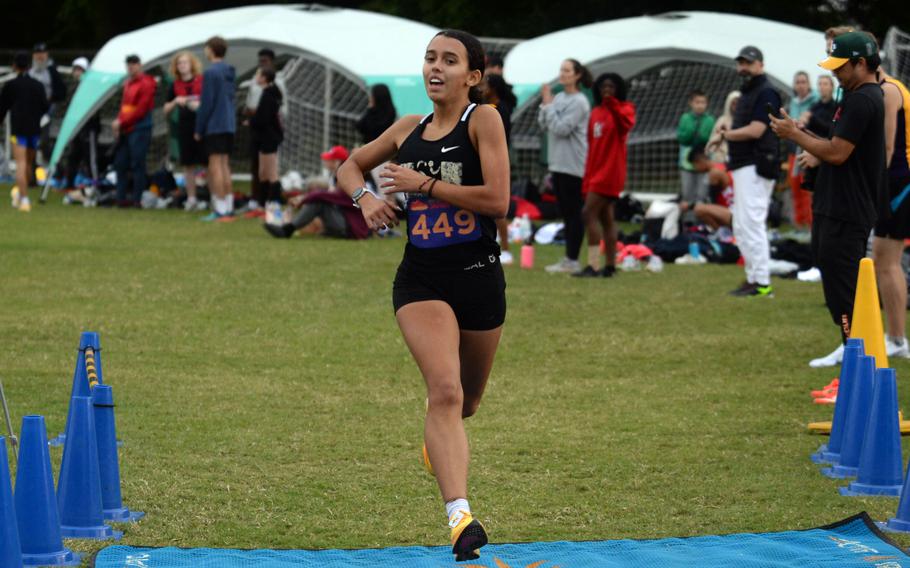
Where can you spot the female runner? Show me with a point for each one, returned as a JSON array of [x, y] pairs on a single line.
[[449, 291]]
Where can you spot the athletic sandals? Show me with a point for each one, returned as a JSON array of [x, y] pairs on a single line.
[[468, 535]]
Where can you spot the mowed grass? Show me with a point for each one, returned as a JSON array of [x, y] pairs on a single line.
[[266, 398]]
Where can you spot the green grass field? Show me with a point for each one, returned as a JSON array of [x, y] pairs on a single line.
[[266, 397]]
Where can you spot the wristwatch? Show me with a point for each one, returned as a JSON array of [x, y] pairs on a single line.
[[358, 195]]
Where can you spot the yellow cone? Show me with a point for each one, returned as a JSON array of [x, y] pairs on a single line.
[[867, 315]]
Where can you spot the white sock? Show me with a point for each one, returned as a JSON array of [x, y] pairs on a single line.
[[253, 204], [229, 203], [456, 505], [221, 205]]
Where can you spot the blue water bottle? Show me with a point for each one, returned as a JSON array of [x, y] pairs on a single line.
[[693, 249]]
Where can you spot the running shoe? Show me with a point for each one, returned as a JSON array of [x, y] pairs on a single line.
[[190, 204], [210, 217], [759, 291], [565, 265], [744, 289], [227, 218], [468, 535], [830, 360], [608, 271], [827, 390], [14, 197], [25, 205], [505, 258], [426, 461], [826, 400], [587, 272], [897, 349], [254, 214], [279, 231]]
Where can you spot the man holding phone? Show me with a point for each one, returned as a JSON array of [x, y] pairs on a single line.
[[849, 190], [754, 161]]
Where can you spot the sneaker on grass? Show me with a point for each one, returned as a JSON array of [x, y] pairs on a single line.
[[505, 258], [565, 266], [587, 272], [897, 348], [830, 360]]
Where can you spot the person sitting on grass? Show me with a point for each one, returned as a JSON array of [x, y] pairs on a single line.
[[717, 213], [327, 212]]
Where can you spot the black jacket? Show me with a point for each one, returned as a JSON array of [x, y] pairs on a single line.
[[266, 122], [24, 99], [373, 123]]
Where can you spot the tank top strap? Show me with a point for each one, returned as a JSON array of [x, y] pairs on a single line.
[[467, 112]]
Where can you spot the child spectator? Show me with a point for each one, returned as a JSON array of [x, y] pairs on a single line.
[[184, 96], [267, 128], [694, 129], [215, 127]]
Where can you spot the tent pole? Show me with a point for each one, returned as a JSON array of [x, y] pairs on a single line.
[[327, 108]]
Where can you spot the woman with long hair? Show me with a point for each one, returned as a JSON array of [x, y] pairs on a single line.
[[605, 169], [564, 118], [717, 146], [498, 93], [449, 291], [184, 96], [380, 113]]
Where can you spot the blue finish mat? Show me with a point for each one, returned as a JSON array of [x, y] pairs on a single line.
[[853, 542]]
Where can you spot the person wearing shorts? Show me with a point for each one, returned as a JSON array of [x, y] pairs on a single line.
[[215, 126], [893, 226], [266, 128], [24, 99], [184, 96], [449, 291]]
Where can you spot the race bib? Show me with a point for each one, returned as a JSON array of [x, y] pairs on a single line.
[[433, 224]]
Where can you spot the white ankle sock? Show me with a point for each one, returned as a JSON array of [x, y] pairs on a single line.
[[456, 505], [229, 203]]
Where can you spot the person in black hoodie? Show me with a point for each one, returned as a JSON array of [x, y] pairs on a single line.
[[380, 114], [24, 99], [266, 127]]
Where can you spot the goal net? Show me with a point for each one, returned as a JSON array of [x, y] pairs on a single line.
[[897, 54]]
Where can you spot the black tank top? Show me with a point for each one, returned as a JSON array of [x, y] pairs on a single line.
[[442, 236]]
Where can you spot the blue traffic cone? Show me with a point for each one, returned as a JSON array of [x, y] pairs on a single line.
[[10, 550], [830, 452], [900, 522], [857, 418], [93, 340], [80, 384], [880, 463], [108, 459], [79, 486], [36, 504]]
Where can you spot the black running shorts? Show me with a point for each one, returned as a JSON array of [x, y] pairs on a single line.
[[477, 294], [896, 225], [219, 143]]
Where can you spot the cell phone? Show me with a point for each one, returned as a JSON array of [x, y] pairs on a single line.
[[771, 110]]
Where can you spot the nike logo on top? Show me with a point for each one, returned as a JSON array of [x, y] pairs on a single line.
[[444, 149]]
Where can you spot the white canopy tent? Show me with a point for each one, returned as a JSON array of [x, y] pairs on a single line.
[[364, 48], [663, 58], [635, 44]]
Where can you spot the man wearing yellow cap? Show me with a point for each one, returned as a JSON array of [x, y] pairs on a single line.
[[849, 190]]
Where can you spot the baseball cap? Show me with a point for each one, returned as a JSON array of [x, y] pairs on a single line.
[[335, 153], [847, 46], [39, 47], [81, 62], [750, 53]]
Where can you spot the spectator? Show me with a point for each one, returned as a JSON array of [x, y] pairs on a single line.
[[23, 98], [215, 127], [266, 127], [755, 163], [133, 131], [803, 99], [259, 192], [849, 190], [45, 72], [694, 130], [498, 93], [818, 119], [717, 213], [380, 114], [83, 150], [184, 95], [893, 227], [605, 169], [494, 66], [565, 120], [326, 212], [717, 146]]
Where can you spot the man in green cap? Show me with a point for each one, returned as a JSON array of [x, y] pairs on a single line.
[[850, 186]]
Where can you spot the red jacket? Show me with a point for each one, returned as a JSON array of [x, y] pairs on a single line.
[[137, 102], [608, 132]]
